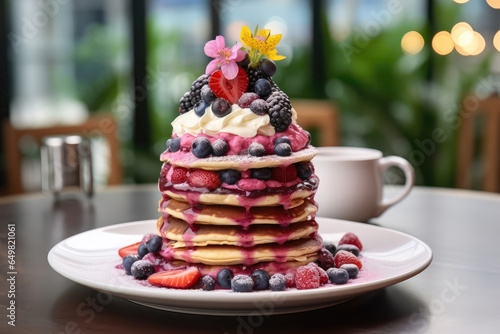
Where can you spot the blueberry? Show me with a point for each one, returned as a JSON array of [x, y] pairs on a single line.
[[201, 147], [206, 94], [224, 278], [220, 147], [263, 88], [154, 244], [337, 275], [350, 248], [128, 261], [256, 149], [221, 107], [142, 250], [283, 149], [277, 282], [304, 170], [308, 137], [175, 145], [261, 173], [230, 176], [283, 139], [142, 269], [247, 98], [268, 67], [351, 269], [200, 107], [245, 62], [259, 107], [330, 247], [241, 283], [207, 283], [168, 143], [261, 279]]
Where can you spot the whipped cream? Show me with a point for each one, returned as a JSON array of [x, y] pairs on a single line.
[[241, 121]]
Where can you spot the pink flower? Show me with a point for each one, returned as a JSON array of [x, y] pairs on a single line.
[[225, 58]]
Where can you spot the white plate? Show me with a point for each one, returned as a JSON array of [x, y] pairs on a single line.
[[90, 259]]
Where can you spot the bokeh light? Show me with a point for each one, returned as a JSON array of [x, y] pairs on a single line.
[[478, 44], [442, 43], [494, 3], [496, 41], [412, 43], [459, 29], [461, 1]]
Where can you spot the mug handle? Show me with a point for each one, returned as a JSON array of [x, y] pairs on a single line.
[[384, 164]]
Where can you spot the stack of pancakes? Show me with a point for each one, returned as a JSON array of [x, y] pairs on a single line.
[[272, 228]]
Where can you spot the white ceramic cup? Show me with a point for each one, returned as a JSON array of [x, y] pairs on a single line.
[[351, 182]]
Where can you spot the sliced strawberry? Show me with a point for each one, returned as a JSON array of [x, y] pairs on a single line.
[[177, 278], [131, 249], [284, 174], [200, 178], [345, 257], [179, 175], [230, 90], [351, 239]]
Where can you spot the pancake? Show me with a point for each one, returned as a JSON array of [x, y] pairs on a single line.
[[238, 200], [234, 215], [271, 267], [238, 162], [295, 250], [204, 235]]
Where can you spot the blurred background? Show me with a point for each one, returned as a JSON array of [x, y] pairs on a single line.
[[418, 79]]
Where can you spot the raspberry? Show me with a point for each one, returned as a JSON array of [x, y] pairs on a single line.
[[284, 174], [147, 237], [280, 110], [326, 259], [307, 277], [344, 257], [179, 175], [204, 179], [323, 277], [290, 280], [351, 239]]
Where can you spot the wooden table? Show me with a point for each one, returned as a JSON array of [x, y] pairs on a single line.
[[458, 293]]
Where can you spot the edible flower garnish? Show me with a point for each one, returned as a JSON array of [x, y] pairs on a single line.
[[260, 45], [225, 57]]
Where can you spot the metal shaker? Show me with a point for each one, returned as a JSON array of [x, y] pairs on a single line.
[[66, 164]]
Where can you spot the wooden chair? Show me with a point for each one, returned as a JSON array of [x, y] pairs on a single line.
[[321, 115], [96, 126], [486, 112]]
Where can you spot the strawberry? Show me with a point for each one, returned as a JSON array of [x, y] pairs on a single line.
[[307, 277], [179, 175], [345, 257], [323, 277], [230, 90], [284, 174], [200, 178], [176, 278], [131, 249], [351, 239]]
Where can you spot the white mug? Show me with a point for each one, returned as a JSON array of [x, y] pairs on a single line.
[[351, 182]]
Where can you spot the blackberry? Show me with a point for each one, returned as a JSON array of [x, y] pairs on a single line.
[[280, 110], [254, 74], [191, 98]]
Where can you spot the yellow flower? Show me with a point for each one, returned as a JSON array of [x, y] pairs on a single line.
[[262, 44]]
